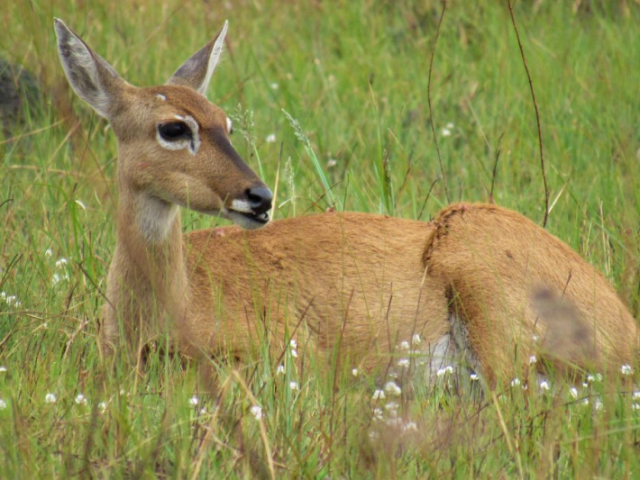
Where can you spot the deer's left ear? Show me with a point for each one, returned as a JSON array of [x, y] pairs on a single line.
[[197, 70]]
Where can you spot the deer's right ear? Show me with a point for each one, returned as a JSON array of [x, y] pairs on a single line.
[[92, 78], [197, 70]]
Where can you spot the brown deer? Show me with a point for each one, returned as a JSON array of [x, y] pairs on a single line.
[[345, 286]]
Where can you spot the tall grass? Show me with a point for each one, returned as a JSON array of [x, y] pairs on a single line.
[[351, 76]]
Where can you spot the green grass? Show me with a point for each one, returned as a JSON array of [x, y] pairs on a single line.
[[353, 75]]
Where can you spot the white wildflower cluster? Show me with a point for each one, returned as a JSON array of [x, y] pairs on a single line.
[[271, 138], [57, 277], [293, 345], [392, 389], [194, 401], [10, 300], [81, 399], [404, 363], [626, 370], [50, 398], [448, 130], [256, 411], [280, 370], [444, 371]]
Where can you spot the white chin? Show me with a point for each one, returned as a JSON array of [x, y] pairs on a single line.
[[244, 221]]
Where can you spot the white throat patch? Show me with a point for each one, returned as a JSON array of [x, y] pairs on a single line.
[[155, 217]]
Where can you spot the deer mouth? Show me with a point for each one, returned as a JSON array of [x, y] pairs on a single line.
[[248, 220]]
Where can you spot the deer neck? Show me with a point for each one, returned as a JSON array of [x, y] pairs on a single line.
[[150, 258]]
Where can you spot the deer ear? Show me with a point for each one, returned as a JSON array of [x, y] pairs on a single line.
[[92, 78], [197, 70]]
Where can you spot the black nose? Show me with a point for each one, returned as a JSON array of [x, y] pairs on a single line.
[[259, 199]]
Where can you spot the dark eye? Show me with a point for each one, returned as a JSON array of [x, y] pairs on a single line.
[[173, 130]]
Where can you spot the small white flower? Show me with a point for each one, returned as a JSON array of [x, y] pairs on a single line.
[[256, 411], [573, 391], [416, 340], [123, 392], [81, 399], [403, 362], [585, 402], [293, 344], [598, 405], [61, 262], [392, 389], [3, 369], [535, 337], [392, 406], [203, 411], [373, 435], [354, 372], [45, 325], [332, 163], [274, 86], [635, 406], [450, 125], [13, 301], [55, 279], [594, 378], [473, 377], [3, 296], [404, 345], [3, 404], [515, 382], [280, 370], [409, 426], [48, 252], [378, 414], [271, 138], [532, 359], [636, 394], [102, 406], [626, 370], [443, 371], [378, 395], [294, 353], [445, 132], [193, 401], [294, 386], [50, 398], [544, 385]]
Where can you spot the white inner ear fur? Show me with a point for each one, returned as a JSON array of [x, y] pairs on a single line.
[[229, 125], [216, 51], [82, 60], [155, 217], [193, 143]]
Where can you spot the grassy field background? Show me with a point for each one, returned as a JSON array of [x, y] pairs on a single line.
[[353, 77]]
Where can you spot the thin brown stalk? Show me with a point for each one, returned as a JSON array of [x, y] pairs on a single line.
[[433, 128], [535, 106]]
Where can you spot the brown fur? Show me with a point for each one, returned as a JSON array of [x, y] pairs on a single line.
[[344, 284], [493, 259]]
